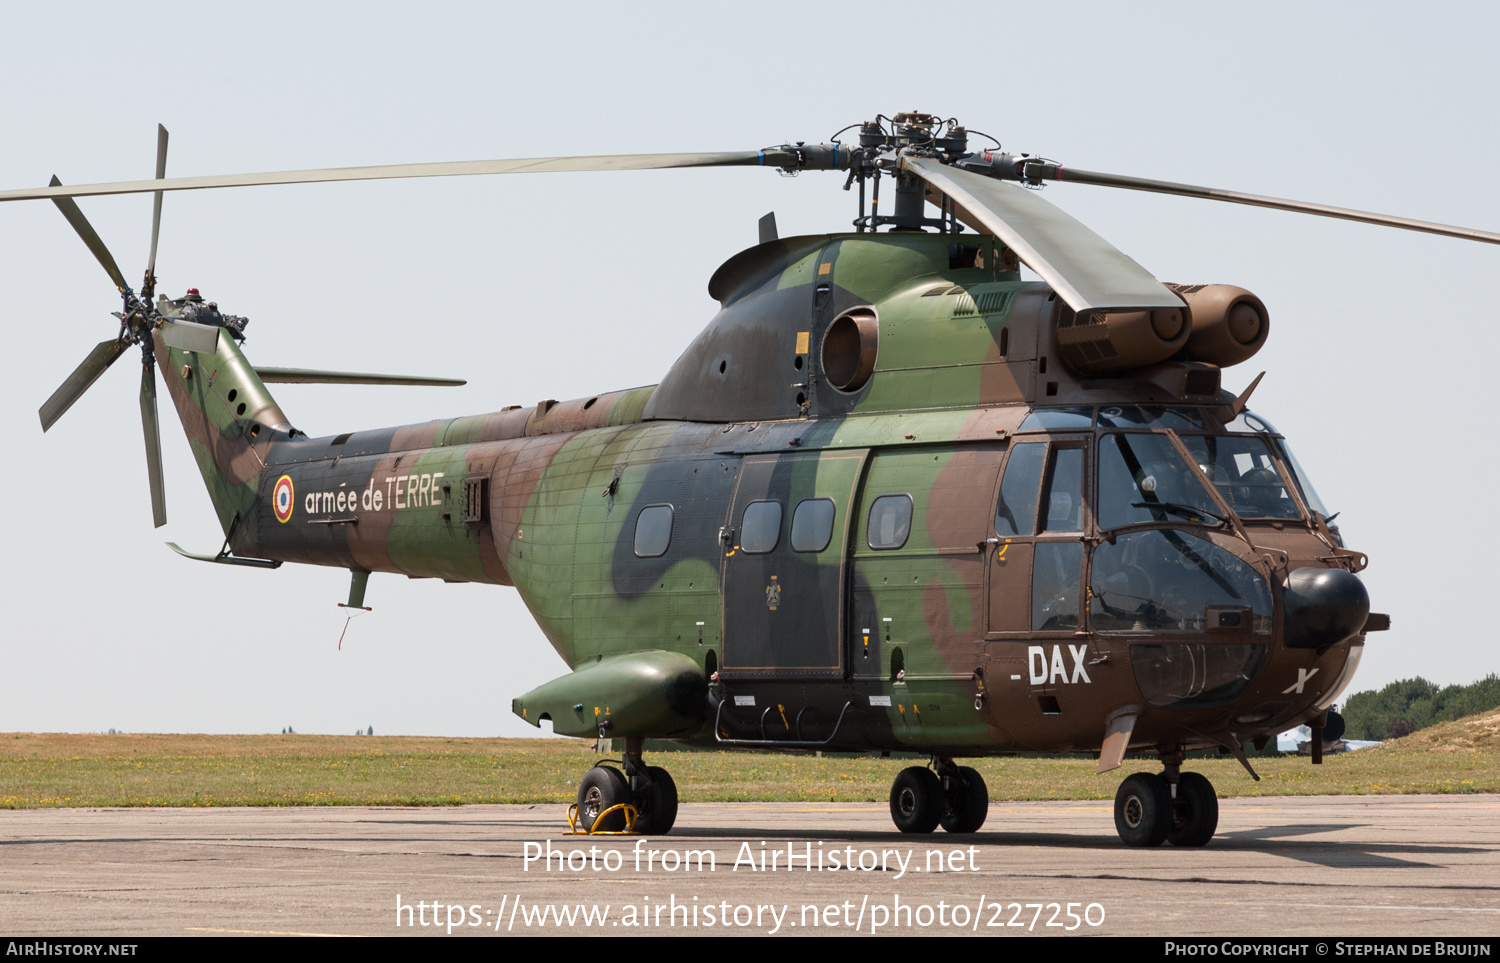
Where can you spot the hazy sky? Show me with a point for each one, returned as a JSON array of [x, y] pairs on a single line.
[[558, 286]]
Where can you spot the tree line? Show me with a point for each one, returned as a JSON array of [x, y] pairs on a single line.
[[1403, 707]]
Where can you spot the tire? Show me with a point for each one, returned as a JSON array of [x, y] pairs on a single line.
[[601, 788], [1143, 810], [1333, 729], [1195, 811], [916, 800], [968, 802], [657, 804]]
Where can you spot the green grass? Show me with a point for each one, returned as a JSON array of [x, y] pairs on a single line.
[[52, 770]]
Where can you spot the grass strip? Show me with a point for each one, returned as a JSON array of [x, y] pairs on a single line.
[[60, 770]]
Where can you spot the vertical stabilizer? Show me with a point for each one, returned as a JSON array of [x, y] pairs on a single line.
[[230, 420]]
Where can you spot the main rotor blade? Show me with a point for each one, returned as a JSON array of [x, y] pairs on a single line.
[[86, 231], [1071, 175], [531, 165], [1085, 270], [161, 172], [153, 444], [83, 376]]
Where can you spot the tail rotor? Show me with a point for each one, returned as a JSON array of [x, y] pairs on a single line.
[[139, 318]]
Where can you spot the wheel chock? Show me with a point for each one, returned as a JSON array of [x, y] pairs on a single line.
[[631, 814]]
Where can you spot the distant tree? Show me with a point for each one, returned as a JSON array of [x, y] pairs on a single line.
[[1407, 705]]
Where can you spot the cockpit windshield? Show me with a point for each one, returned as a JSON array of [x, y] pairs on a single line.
[[1143, 478], [1147, 416], [1248, 421], [1244, 473], [1156, 465], [1309, 495]]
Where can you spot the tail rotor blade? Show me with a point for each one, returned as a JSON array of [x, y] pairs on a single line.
[[153, 444], [161, 171], [85, 230], [98, 361]]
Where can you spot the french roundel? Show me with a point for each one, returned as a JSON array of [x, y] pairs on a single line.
[[282, 498]]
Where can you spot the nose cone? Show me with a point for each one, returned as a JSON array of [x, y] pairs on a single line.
[[1323, 606]]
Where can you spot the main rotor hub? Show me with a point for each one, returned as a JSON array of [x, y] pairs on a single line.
[[882, 143], [923, 133]]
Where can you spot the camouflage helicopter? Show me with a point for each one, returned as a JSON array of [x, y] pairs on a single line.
[[893, 498]]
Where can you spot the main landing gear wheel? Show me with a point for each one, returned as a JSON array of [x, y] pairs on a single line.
[[916, 800], [601, 788], [1143, 810], [1195, 811], [657, 803], [968, 802]]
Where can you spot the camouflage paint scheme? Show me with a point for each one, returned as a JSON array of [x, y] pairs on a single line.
[[929, 646]]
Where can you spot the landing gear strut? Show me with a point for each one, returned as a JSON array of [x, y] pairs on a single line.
[[1177, 807], [650, 789], [954, 797]]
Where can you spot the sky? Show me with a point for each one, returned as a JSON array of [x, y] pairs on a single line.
[[564, 285]]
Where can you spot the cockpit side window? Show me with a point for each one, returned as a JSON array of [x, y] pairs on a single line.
[[1040, 508], [1016, 514], [1055, 572], [1062, 498]]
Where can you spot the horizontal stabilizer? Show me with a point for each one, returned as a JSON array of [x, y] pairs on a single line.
[[312, 376]]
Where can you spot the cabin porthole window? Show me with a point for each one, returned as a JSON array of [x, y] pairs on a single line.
[[653, 531], [890, 522], [760, 528], [812, 525]]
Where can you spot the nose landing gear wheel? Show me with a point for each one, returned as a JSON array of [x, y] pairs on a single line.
[[916, 800], [1143, 810], [1195, 811], [601, 788], [968, 802]]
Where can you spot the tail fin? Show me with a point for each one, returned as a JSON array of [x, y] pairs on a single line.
[[230, 420]]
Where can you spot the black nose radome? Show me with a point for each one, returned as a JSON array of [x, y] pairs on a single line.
[[1323, 606]]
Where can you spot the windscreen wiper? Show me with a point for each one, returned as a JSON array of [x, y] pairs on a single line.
[[1192, 514]]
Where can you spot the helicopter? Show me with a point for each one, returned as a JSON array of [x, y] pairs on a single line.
[[893, 498]]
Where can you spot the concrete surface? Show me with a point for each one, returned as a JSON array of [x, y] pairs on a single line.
[[1316, 866]]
